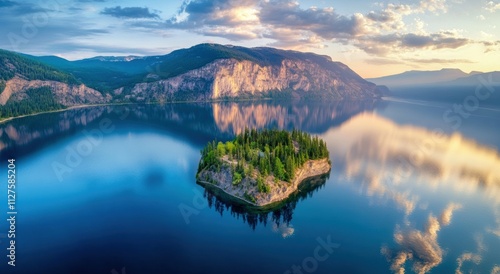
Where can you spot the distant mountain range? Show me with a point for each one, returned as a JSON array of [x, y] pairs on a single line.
[[203, 72], [420, 77], [446, 85]]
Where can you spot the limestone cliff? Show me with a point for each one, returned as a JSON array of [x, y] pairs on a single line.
[[65, 94], [279, 190], [231, 78]]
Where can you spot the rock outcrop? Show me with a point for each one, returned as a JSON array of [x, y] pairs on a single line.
[[279, 190], [65, 94], [231, 78]]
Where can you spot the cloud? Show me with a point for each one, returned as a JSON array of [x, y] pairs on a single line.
[[290, 26], [490, 45], [7, 3], [439, 61], [434, 6], [42, 37], [19, 8], [383, 44], [383, 61], [107, 49], [433, 41], [492, 6], [235, 20], [465, 257], [130, 13], [285, 230], [496, 230], [496, 269], [446, 215], [324, 22], [420, 247], [474, 257]]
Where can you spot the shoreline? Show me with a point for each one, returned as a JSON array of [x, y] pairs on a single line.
[[233, 196], [172, 102], [61, 110], [294, 186]]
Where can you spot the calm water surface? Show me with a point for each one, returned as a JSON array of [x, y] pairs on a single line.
[[112, 190]]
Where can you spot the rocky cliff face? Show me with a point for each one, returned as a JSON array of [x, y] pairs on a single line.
[[279, 191], [230, 78], [65, 94]]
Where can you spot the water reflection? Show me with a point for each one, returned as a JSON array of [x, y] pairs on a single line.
[[432, 178], [314, 118], [280, 215], [196, 123], [420, 247], [395, 162], [383, 156]]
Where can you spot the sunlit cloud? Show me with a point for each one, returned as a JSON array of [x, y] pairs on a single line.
[[474, 257], [420, 247], [380, 31], [492, 6], [445, 217], [466, 257]]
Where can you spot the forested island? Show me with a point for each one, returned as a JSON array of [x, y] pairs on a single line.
[[263, 167]]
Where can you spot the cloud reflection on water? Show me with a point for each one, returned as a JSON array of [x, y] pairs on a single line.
[[390, 162], [384, 155], [421, 247]]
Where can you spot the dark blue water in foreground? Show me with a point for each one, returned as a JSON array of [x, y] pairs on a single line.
[[112, 190]]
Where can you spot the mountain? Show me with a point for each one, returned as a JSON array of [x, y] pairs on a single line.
[[28, 86], [215, 72], [478, 87], [416, 77], [204, 72], [212, 72], [474, 79]]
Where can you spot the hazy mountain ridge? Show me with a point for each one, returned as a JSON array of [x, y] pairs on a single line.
[[455, 90], [419, 77]]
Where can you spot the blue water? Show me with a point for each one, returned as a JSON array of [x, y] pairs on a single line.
[[126, 199]]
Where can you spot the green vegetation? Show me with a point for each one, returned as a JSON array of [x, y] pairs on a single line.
[[184, 60], [12, 64], [258, 154], [2, 86], [38, 100], [32, 100]]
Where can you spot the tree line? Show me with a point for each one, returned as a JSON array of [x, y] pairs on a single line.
[[38, 100], [259, 154], [12, 64]]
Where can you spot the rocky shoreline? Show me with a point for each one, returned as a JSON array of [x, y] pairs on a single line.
[[247, 191]]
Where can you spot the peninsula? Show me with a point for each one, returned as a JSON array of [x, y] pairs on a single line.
[[263, 167]]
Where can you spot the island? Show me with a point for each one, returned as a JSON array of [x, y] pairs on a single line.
[[262, 168]]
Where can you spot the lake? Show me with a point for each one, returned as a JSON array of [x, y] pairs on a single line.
[[112, 189]]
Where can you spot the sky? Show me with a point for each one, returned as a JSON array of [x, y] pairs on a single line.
[[373, 38]]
